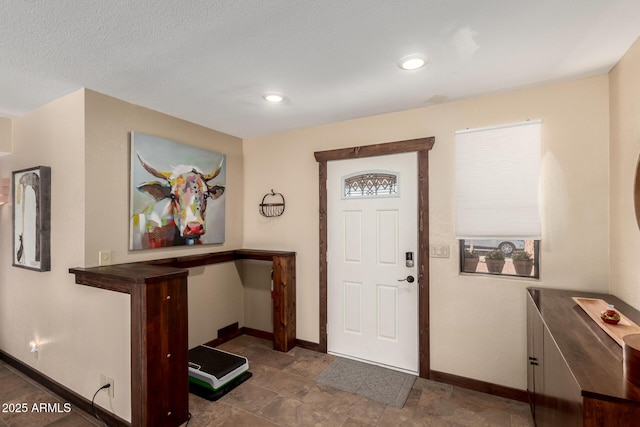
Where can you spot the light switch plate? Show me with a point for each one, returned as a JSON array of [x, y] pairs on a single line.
[[439, 251]]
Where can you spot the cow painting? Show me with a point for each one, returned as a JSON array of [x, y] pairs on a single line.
[[177, 201]]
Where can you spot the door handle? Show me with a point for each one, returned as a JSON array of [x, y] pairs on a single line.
[[409, 279]]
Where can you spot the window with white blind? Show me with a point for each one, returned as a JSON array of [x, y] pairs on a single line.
[[497, 207]]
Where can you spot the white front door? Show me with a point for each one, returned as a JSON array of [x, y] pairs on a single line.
[[371, 224]]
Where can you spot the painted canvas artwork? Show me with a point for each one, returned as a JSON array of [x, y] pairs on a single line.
[[177, 194], [32, 218]]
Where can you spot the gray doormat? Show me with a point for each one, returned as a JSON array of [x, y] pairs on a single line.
[[373, 382]]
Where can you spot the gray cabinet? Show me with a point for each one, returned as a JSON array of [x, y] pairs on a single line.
[[535, 359], [553, 393]]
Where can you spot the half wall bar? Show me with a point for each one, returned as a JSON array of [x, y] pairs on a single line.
[[158, 290]]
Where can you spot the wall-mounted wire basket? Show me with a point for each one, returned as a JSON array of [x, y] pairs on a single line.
[[272, 205]]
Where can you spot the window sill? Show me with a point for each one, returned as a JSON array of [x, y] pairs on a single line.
[[499, 276]]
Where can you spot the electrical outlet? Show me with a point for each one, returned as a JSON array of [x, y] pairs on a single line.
[[34, 348], [104, 258], [106, 380]]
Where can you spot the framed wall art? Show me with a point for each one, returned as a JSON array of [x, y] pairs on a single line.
[[176, 194], [32, 218]]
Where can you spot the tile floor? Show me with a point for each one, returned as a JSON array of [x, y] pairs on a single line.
[[282, 392], [16, 389]]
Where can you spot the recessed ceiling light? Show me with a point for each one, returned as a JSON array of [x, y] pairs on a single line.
[[412, 62], [275, 98]]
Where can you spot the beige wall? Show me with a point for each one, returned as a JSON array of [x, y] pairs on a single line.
[[625, 147], [6, 144], [216, 295], [84, 331], [108, 124], [65, 318], [483, 316], [258, 307], [215, 292]]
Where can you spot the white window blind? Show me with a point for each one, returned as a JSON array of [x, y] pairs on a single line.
[[497, 175]]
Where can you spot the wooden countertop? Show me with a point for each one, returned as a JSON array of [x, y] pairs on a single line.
[[593, 357], [120, 277]]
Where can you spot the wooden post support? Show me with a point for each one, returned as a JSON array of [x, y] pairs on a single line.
[[159, 349], [284, 303]]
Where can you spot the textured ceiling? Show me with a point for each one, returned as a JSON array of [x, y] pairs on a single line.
[[209, 61]]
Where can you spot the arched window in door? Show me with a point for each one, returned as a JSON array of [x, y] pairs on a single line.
[[370, 184]]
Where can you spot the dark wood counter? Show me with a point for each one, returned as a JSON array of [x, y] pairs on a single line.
[[581, 366], [284, 285], [159, 347], [124, 277]]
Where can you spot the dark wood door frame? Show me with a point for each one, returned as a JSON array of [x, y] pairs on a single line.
[[422, 146]]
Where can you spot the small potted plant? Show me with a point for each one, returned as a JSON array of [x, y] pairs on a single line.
[[471, 259], [495, 261], [522, 262]]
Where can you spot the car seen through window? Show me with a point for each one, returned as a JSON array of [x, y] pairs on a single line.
[[502, 257], [506, 246]]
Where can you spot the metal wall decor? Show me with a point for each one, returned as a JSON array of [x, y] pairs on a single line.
[[371, 184], [32, 218], [272, 205]]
